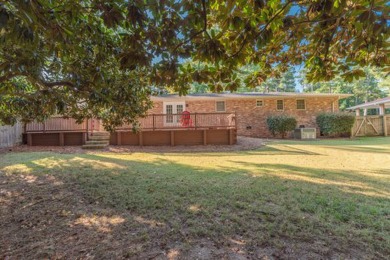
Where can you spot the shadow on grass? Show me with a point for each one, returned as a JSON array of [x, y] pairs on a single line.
[[372, 183], [361, 141], [281, 150], [362, 149], [111, 207], [266, 150]]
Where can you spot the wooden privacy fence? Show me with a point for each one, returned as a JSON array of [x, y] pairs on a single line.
[[371, 126], [11, 135]]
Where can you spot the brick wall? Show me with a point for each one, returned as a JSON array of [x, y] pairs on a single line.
[[157, 108], [251, 120]]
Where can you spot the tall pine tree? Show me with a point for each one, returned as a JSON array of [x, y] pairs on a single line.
[[287, 81]]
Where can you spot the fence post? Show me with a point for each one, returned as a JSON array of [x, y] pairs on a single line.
[[92, 125], [195, 120], [154, 124], [357, 111], [140, 139], [235, 119], [119, 138], [172, 138], [230, 136], [382, 112], [29, 139], [84, 138], [44, 126], [365, 120], [62, 139]]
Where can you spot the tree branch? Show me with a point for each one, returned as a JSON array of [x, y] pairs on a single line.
[[318, 21], [42, 82], [204, 30], [205, 18], [57, 83], [262, 30], [330, 40], [10, 76]]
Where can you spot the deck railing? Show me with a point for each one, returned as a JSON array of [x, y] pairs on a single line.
[[58, 124], [150, 122], [183, 121]]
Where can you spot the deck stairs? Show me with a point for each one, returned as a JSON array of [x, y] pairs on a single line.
[[97, 140]]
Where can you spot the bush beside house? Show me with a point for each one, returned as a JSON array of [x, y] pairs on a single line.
[[335, 124], [281, 125]]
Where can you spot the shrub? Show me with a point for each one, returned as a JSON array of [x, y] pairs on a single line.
[[281, 124], [335, 124]]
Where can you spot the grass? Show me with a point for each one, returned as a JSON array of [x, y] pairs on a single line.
[[317, 199]]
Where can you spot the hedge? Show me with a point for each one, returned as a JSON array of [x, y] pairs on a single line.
[[281, 124], [335, 124]]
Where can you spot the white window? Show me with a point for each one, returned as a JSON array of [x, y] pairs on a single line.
[[301, 104], [179, 108], [173, 112], [220, 106], [169, 112], [259, 103], [279, 104]]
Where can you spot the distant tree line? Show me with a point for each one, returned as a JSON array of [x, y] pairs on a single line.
[[373, 85]]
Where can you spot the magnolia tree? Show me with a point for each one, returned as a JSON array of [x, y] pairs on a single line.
[[100, 58]]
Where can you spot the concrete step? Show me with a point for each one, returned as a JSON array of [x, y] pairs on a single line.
[[102, 142], [99, 134], [94, 146], [99, 137]]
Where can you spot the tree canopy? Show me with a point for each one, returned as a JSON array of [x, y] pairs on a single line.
[[372, 86], [85, 58]]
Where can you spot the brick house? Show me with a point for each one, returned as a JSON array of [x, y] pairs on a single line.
[[190, 120], [252, 109]]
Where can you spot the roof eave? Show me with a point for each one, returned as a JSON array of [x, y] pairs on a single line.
[[370, 105], [260, 96]]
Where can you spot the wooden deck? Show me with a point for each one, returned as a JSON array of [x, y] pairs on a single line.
[[155, 130], [175, 137]]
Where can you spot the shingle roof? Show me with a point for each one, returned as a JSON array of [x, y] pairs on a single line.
[[372, 104], [248, 95]]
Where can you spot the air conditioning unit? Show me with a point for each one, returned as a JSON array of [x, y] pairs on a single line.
[[305, 133]]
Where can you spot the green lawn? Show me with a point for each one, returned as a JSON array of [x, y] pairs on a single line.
[[317, 199]]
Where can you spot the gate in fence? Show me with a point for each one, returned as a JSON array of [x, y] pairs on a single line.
[[371, 125]]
